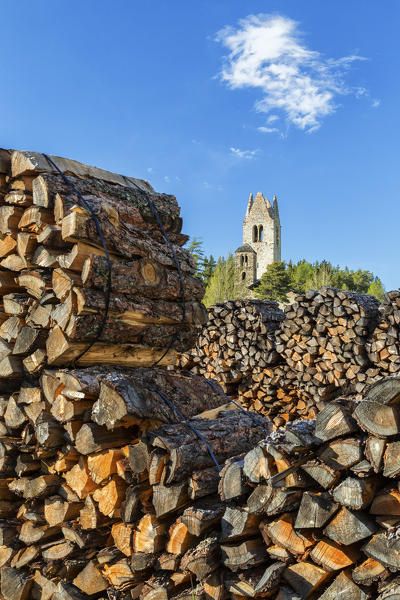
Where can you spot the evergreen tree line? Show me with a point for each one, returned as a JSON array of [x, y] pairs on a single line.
[[280, 278]]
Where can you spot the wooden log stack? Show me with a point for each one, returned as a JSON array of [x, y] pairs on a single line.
[[119, 499], [275, 393], [323, 340], [95, 466], [384, 345], [54, 274], [237, 339]]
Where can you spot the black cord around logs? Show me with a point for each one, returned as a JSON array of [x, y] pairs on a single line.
[[188, 423], [178, 267], [107, 255]]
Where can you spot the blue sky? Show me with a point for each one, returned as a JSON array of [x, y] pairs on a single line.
[[213, 99]]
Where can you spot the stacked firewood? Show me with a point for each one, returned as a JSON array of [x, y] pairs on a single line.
[[275, 393], [95, 463], [323, 341], [107, 493], [237, 339], [384, 345], [54, 276]]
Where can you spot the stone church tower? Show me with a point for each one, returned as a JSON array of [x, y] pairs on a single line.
[[261, 243]]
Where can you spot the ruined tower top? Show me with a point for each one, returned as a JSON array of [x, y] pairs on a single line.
[[262, 231]]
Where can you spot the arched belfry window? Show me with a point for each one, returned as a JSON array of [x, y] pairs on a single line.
[[243, 276], [245, 259], [255, 233], [260, 233], [242, 261]]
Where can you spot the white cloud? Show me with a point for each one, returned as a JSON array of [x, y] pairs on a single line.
[[267, 52], [376, 103], [272, 118], [166, 179], [268, 129], [149, 169], [244, 153]]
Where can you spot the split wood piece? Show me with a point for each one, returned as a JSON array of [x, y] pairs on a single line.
[[79, 480], [180, 539], [342, 454], [233, 483], [391, 461], [37, 487], [124, 395], [258, 465], [250, 553], [123, 537], [15, 585], [104, 464], [43, 588], [385, 549], [374, 452], [266, 500], [111, 496], [149, 535], [305, 578], [386, 502], [315, 510], [90, 516], [258, 582], [169, 499], [198, 520], [119, 574], [57, 510], [203, 559], [324, 475], [92, 438], [238, 524], [356, 493], [141, 276], [90, 580], [203, 483], [187, 454], [282, 533], [349, 527], [67, 591], [368, 572], [344, 586], [333, 557], [333, 421]]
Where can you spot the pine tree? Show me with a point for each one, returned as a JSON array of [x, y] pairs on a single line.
[[274, 283], [208, 269], [221, 285], [195, 247]]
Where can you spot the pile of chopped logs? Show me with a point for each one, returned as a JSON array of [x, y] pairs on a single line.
[[106, 494], [238, 338], [54, 272], [384, 345], [323, 340], [275, 393]]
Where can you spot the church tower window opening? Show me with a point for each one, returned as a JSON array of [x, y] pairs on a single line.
[[260, 233], [243, 276], [255, 233]]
